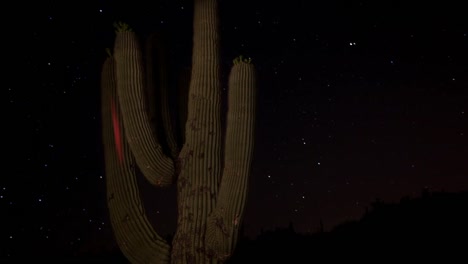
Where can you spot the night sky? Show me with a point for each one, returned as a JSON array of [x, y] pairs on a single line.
[[357, 101]]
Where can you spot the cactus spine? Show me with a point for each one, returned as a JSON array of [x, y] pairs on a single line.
[[211, 191]]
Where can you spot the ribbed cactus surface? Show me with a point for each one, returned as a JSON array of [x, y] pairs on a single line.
[[212, 167], [134, 234], [157, 167]]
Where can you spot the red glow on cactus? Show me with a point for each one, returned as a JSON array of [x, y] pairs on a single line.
[[117, 135]]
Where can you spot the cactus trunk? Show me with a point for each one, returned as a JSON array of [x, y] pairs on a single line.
[[200, 158]]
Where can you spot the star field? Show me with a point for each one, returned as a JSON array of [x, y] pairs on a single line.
[[357, 101]]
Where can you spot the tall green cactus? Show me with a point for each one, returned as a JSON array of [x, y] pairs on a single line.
[[211, 191]]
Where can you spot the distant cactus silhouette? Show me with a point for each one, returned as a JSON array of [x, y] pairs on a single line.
[[211, 191]]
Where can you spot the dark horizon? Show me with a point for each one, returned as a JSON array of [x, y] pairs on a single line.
[[357, 101]]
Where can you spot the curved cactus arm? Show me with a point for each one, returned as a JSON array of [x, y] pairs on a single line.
[[183, 84], [158, 83], [134, 234], [154, 164], [152, 92], [224, 222]]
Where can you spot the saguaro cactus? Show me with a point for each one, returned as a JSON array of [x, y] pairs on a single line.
[[211, 191]]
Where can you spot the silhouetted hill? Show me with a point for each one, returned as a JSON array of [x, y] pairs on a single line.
[[432, 226]]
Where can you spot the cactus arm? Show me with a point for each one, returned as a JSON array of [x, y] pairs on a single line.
[[158, 81], [223, 224], [151, 92], [183, 85], [153, 163], [134, 234]]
